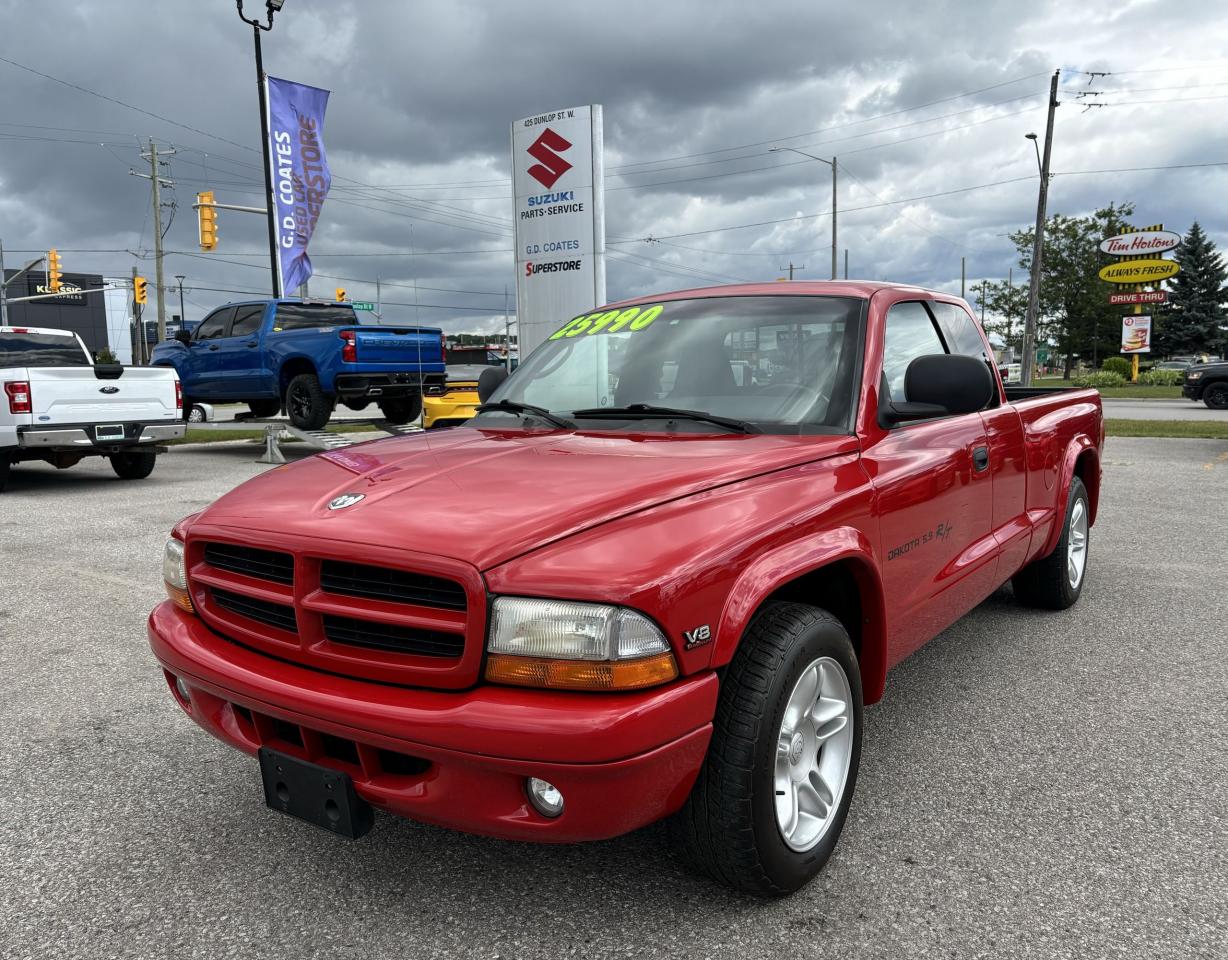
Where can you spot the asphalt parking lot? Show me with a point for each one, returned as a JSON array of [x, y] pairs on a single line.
[[1033, 785]]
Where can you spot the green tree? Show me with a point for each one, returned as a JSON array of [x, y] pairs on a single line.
[[1006, 306], [1194, 317], [1074, 302]]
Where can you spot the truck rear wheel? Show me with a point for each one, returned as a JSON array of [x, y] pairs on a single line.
[[264, 408], [1056, 581], [775, 789], [307, 405], [134, 464], [402, 410], [1215, 396], [5, 467]]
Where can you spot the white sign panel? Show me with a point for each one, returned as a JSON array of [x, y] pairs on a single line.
[[1141, 244], [1136, 334], [557, 172]]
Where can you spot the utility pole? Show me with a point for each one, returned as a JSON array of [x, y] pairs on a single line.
[[138, 339], [1038, 245], [833, 218], [963, 278], [157, 182], [790, 268], [379, 301], [507, 334], [183, 317], [4, 307], [846, 263]]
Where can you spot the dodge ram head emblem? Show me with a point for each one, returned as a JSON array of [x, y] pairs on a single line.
[[345, 500]]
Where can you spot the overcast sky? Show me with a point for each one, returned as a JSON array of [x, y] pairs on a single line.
[[915, 99]]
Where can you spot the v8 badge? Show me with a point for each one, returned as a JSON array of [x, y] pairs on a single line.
[[697, 637]]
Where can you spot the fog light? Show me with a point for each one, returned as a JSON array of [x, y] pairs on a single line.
[[182, 689], [545, 797]]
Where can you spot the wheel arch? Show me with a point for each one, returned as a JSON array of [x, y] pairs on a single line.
[[290, 368], [835, 571], [1082, 460]]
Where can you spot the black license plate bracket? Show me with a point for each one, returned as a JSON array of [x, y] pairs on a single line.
[[317, 794]]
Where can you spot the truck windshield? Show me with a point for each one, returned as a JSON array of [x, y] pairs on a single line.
[[775, 363], [41, 350]]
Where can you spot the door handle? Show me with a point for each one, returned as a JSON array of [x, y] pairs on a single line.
[[980, 458], [252, 343], [213, 346]]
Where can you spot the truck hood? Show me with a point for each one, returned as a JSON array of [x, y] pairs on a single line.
[[486, 496]]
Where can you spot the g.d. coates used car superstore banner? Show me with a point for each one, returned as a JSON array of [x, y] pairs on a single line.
[[300, 172]]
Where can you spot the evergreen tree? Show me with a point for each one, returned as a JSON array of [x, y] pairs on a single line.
[[1194, 319]]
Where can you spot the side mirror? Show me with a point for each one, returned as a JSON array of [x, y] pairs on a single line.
[[489, 382], [183, 337], [940, 385]]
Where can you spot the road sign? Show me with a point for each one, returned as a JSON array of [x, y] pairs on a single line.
[[1148, 296], [363, 305], [1140, 271]]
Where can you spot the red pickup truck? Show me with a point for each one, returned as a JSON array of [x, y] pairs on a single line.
[[659, 575]]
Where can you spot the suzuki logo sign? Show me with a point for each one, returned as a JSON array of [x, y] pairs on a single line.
[[550, 166]]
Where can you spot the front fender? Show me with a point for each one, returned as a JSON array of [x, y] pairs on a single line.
[[800, 558]]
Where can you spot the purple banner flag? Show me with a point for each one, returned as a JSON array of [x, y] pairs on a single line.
[[300, 172]]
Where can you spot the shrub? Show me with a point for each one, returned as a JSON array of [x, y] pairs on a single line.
[[1100, 379], [1162, 378], [106, 356], [1118, 365]]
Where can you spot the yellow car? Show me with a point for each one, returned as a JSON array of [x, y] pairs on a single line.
[[458, 401]]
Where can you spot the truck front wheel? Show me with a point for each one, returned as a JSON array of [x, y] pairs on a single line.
[[264, 408], [1215, 396], [402, 410], [774, 791], [133, 465], [307, 405]]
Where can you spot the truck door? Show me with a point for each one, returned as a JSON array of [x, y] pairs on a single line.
[[238, 353], [203, 381], [934, 499], [1004, 433]]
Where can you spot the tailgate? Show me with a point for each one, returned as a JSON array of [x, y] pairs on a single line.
[[399, 345], [63, 395]]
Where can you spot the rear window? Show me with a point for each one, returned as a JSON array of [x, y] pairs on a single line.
[[41, 350], [296, 316]]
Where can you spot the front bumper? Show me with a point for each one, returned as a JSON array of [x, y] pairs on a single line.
[[1192, 391], [456, 759], [76, 437], [380, 386]]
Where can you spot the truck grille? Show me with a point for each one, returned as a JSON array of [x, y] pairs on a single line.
[[397, 586], [386, 636], [274, 614], [420, 623], [251, 562]]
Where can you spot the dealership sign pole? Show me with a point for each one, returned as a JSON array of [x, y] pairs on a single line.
[[1140, 262], [559, 190]]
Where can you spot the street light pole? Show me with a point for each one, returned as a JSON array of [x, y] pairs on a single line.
[[183, 317], [831, 163], [1038, 243], [273, 6]]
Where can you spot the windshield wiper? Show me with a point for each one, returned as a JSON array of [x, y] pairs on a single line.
[[513, 406], [648, 411]]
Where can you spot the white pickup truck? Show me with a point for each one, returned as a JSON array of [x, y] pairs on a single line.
[[57, 405]]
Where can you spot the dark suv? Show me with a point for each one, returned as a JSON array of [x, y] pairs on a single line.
[[1208, 382]]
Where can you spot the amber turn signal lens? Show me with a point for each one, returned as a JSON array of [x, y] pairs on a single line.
[[581, 674], [179, 598]]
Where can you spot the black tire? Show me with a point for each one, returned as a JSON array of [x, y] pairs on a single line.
[[133, 464], [402, 410], [728, 826], [307, 405], [357, 405], [1215, 395], [264, 408], [5, 467], [1046, 582], [187, 409]]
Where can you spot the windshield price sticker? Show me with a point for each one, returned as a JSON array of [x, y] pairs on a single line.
[[610, 321]]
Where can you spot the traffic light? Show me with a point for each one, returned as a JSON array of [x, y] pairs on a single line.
[[340, 294], [53, 270], [139, 292], [206, 218]]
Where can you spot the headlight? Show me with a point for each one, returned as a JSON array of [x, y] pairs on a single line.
[[575, 646], [1193, 375], [175, 573]]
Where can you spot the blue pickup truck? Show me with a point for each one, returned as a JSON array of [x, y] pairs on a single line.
[[304, 357]]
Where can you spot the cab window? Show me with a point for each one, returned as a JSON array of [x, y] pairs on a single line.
[[247, 320], [214, 325], [910, 334], [959, 330]]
